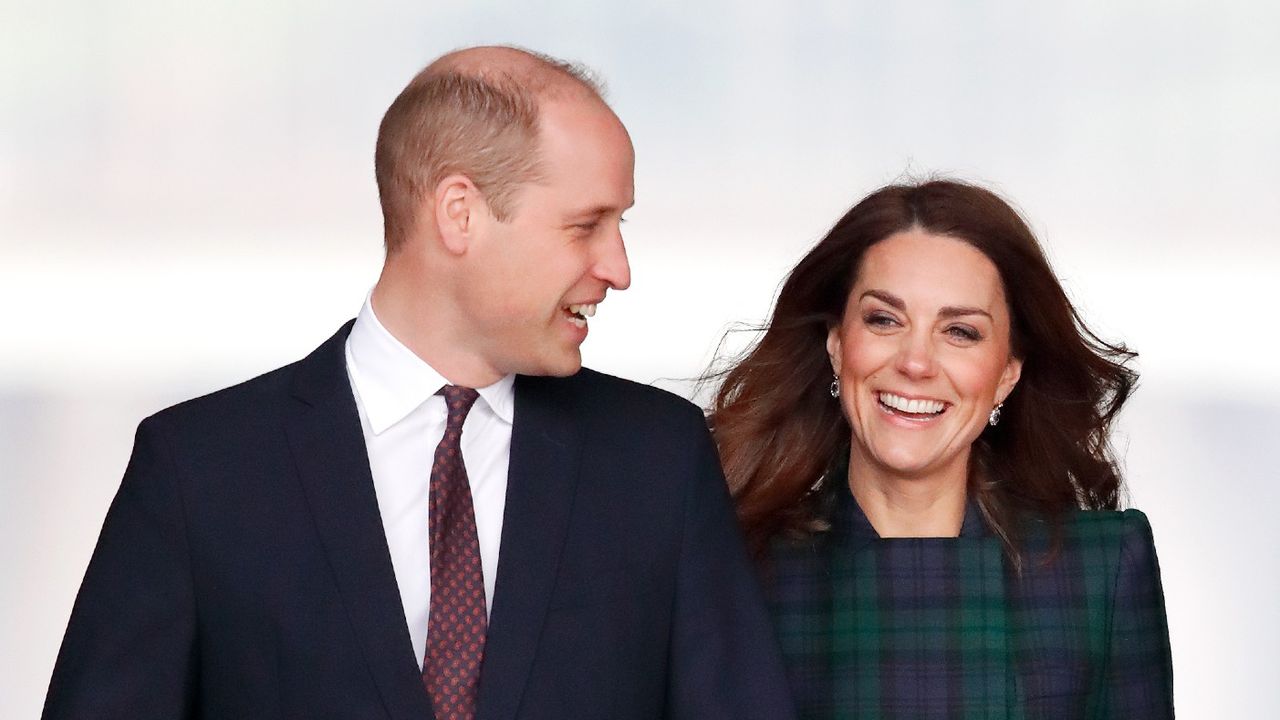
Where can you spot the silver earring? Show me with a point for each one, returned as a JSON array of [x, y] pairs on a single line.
[[994, 418], [835, 387]]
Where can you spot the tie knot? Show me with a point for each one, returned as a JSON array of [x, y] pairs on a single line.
[[458, 400]]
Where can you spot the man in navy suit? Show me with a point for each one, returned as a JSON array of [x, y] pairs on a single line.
[[438, 513]]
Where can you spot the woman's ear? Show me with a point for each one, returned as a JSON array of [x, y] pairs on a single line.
[[833, 348], [1009, 378]]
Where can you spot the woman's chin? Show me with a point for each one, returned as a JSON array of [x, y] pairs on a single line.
[[912, 463]]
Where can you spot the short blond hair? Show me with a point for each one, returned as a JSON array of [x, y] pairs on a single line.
[[477, 119]]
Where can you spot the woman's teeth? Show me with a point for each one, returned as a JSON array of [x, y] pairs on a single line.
[[913, 407]]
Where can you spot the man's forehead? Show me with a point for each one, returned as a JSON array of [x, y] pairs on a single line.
[[582, 130]]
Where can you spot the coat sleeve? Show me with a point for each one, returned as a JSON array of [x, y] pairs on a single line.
[[129, 650], [724, 658], [1139, 676]]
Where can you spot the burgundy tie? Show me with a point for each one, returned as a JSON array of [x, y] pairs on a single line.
[[456, 626]]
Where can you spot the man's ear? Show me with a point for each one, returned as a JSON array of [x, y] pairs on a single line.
[[459, 207]]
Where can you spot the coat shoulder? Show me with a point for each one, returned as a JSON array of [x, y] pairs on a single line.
[[249, 406], [607, 399], [1111, 527], [1099, 543], [243, 404]]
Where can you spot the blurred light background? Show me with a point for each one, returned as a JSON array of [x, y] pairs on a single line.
[[187, 200]]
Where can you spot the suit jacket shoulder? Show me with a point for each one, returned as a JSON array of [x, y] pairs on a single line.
[[653, 587], [246, 421], [618, 402], [252, 401]]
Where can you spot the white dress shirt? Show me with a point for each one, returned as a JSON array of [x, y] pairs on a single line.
[[403, 420]]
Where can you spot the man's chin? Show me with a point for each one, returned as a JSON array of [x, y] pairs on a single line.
[[567, 368], [562, 365]]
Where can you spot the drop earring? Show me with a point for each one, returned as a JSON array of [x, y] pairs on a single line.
[[994, 418], [835, 387]]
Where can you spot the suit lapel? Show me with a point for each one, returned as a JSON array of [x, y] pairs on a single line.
[[542, 477], [323, 427]]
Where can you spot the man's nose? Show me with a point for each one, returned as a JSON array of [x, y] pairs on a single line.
[[611, 263]]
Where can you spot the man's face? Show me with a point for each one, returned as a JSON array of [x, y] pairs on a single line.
[[534, 281]]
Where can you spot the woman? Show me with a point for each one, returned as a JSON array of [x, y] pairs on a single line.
[[918, 446]]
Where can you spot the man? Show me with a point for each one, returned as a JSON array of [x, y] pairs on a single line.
[[361, 535]]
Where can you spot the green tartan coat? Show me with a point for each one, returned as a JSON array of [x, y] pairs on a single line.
[[944, 628]]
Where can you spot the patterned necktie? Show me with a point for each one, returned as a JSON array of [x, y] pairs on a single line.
[[456, 626]]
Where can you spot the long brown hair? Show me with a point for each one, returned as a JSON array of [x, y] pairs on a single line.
[[780, 433]]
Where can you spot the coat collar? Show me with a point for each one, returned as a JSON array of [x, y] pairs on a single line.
[[546, 446], [848, 520], [327, 444]]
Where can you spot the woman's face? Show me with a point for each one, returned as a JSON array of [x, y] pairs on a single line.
[[922, 354]]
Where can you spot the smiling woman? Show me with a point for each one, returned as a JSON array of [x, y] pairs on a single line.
[[918, 446], [923, 356]]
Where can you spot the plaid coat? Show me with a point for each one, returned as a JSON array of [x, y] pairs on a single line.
[[943, 628]]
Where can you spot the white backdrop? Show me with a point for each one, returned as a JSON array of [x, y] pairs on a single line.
[[187, 199]]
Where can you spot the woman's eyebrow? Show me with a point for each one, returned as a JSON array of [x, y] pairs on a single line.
[[887, 298], [952, 311]]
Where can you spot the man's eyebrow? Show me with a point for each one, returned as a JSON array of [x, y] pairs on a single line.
[[596, 211], [950, 311]]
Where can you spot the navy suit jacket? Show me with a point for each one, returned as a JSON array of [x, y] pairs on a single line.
[[242, 571]]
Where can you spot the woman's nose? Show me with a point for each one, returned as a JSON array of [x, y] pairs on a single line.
[[916, 356]]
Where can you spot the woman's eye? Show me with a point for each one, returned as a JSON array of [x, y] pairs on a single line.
[[879, 320], [965, 333]]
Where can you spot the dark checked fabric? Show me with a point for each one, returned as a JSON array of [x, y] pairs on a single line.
[[456, 628], [942, 628]]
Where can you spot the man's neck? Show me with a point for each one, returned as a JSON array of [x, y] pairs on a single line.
[[421, 320]]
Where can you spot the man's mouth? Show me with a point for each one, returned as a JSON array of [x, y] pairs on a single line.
[[579, 313], [912, 408]]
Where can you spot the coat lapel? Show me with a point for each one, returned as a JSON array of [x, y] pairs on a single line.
[[323, 427], [542, 477]]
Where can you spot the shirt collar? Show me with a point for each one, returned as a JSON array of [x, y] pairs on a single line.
[[392, 381]]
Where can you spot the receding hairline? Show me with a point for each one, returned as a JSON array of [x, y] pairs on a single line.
[[507, 65]]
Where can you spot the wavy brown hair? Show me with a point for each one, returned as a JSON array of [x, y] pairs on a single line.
[[781, 434]]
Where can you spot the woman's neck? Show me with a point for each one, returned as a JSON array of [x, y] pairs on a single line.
[[897, 506]]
